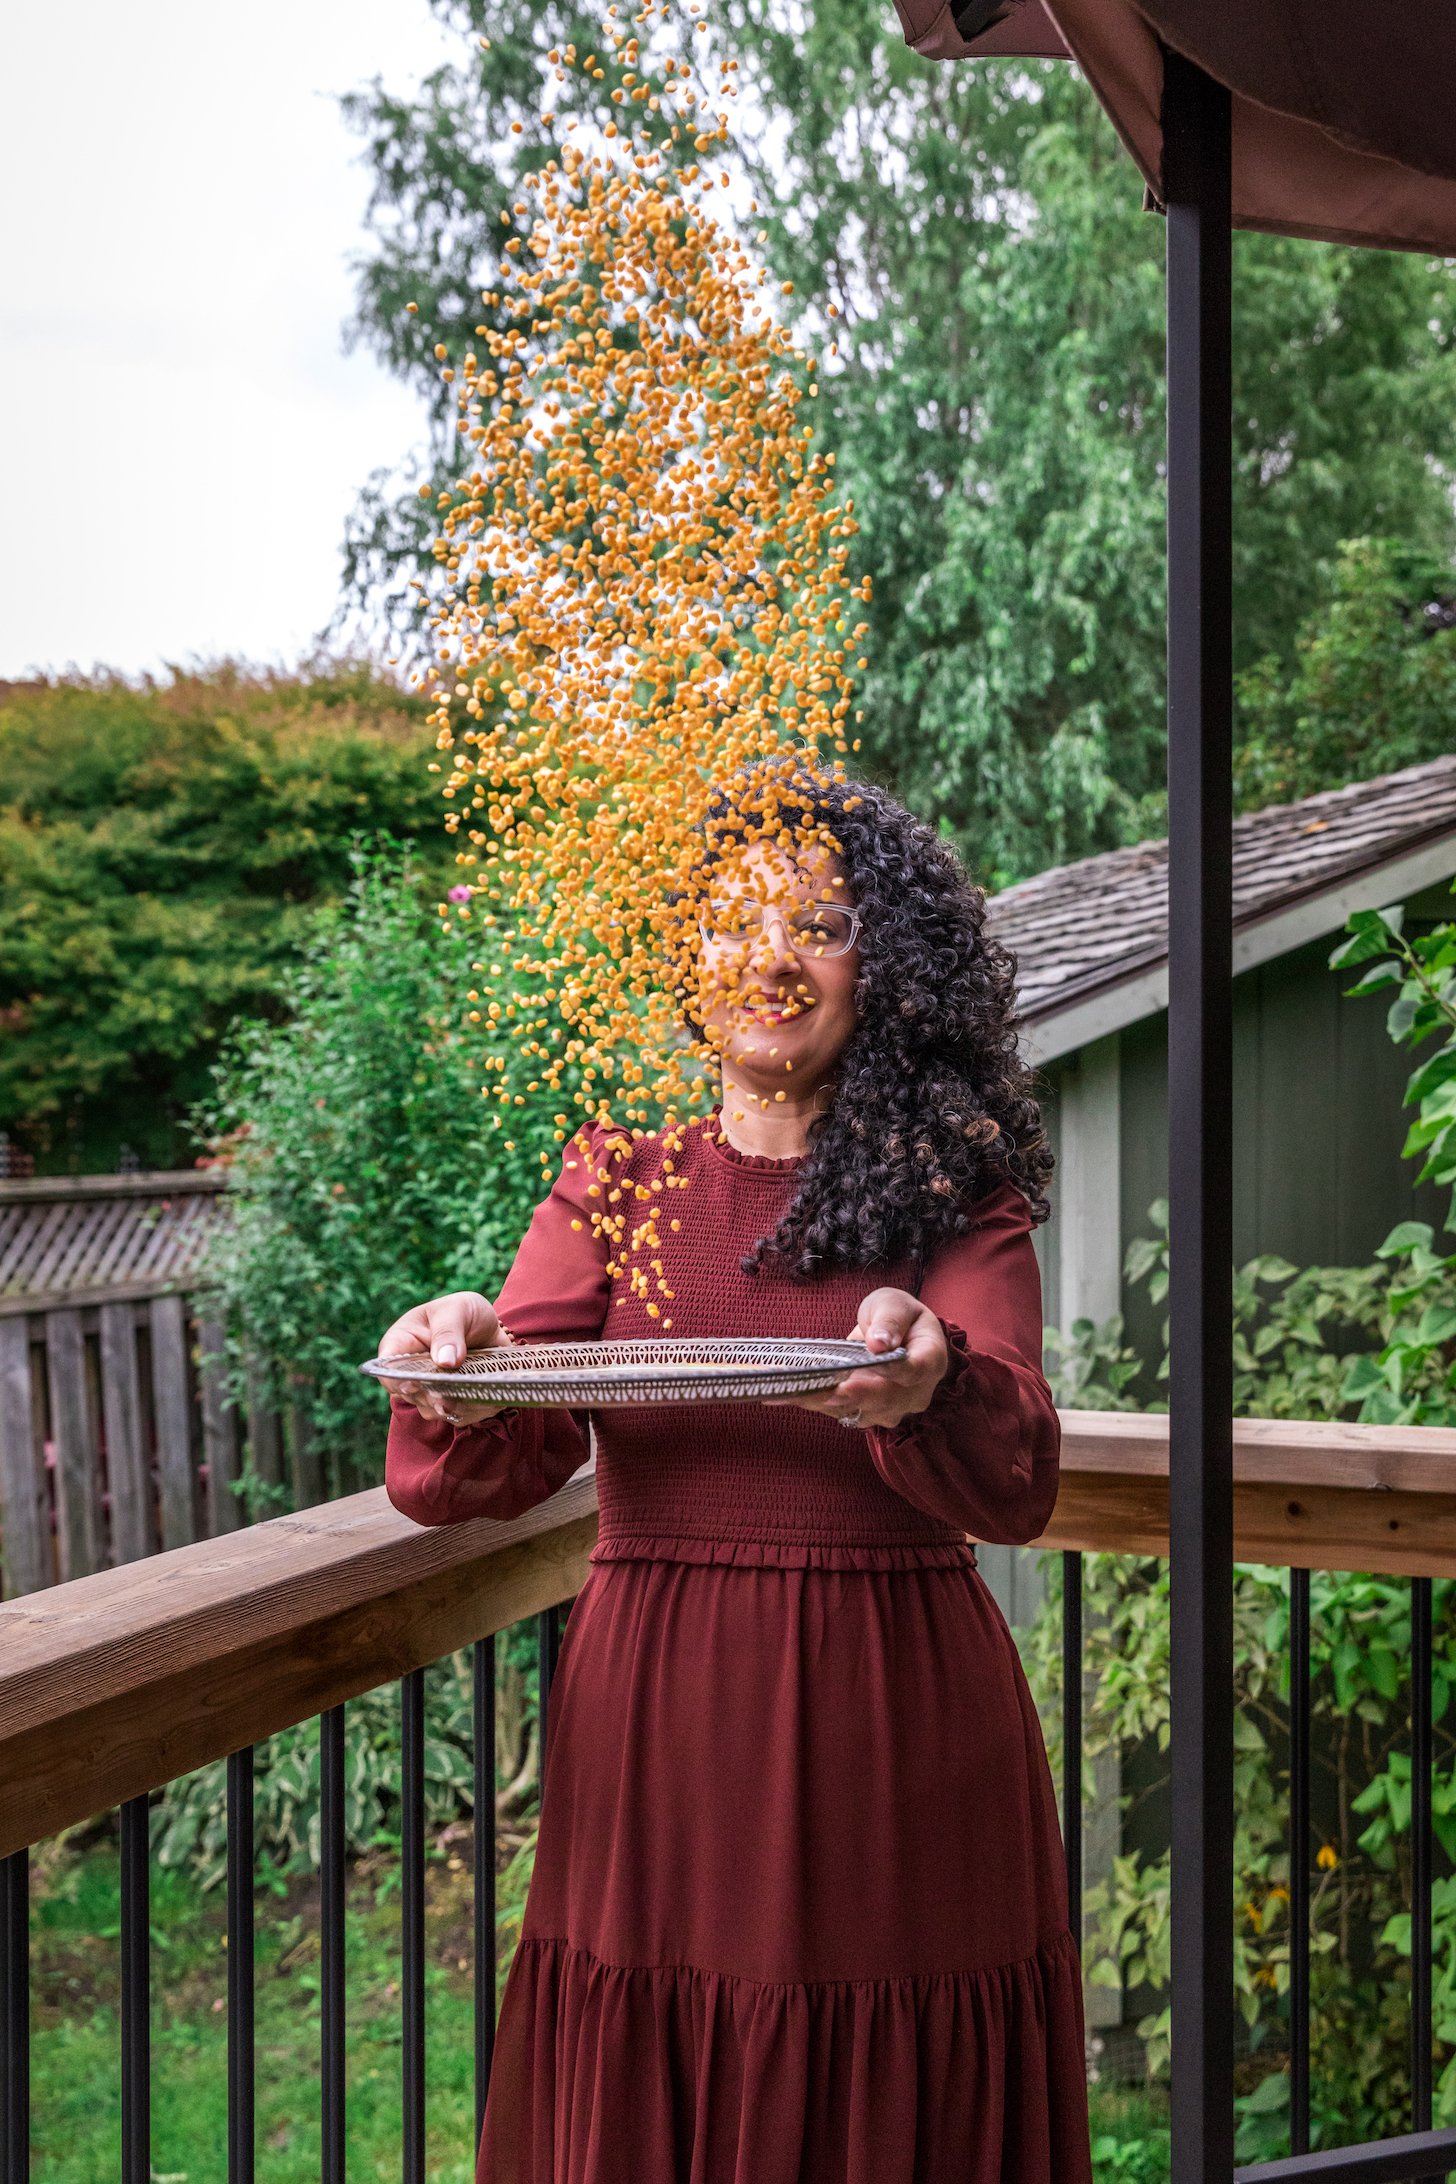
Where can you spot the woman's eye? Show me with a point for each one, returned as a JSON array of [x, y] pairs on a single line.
[[731, 920]]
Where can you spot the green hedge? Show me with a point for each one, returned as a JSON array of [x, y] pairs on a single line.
[[163, 846]]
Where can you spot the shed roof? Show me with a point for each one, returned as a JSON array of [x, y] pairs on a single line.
[[1091, 938], [94, 1239]]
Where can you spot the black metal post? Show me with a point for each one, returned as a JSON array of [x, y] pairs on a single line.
[[15, 2018], [483, 1707], [1299, 1906], [1196, 178], [331, 1945], [548, 1650], [412, 1920], [136, 1994], [1072, 1736], [1421, 1834], [241, 2052]]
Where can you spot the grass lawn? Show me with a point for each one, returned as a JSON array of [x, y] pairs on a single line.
[[76, 2043]]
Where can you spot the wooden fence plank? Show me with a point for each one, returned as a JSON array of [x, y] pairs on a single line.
[[219, 1430], [172, 1410], [128, 1471], [24, 1504], [265, 1427], [309, 1486], [146, 1183], [49, 1300], [73, 1436]]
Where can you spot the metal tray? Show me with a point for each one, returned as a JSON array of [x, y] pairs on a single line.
[[685, 1369]]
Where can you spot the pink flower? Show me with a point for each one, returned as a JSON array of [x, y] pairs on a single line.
[[461, 894]]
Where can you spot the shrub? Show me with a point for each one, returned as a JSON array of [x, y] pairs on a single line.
[[1307, 1343], [162, 849], [364, 1176]]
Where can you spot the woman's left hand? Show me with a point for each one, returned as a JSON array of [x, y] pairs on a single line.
[[889, 1319]]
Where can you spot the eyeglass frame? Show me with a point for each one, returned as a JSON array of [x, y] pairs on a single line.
[[767, 910]]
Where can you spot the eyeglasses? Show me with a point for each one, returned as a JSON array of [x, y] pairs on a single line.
[[812, 928]]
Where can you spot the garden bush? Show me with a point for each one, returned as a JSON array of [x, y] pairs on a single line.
[[365, 1172], [163, 848], [1375, 1344]]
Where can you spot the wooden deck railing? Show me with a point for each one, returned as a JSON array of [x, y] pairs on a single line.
[[114, 1684], [1307, 1496], [118, 1682]]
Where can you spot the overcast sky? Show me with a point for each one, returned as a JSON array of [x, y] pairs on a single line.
[[182, 433]]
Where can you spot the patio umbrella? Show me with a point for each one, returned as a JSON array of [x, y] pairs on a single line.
[[1342, 113], [1333, 120]]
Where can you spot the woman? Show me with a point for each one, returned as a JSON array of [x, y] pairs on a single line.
[[798, 1913]]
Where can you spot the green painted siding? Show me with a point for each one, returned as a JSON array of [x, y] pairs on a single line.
[[1045, 1237], [1318, 1122]]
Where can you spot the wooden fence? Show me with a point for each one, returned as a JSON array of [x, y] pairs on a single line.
[[118, 1436]]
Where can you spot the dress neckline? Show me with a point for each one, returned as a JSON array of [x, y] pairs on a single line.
[[762, 1162]]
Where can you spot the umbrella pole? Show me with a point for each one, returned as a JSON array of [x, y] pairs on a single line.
[[1196, 172]]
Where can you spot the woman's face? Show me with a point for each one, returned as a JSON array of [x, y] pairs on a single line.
[[778, 1008]]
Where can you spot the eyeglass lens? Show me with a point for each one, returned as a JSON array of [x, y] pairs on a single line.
[[823, 926]]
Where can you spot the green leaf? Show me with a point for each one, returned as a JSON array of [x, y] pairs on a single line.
[[1438, 1070], [1400, 1017], [1438, 1324], [1369, 937], [1406, 1236], [1380, 974]]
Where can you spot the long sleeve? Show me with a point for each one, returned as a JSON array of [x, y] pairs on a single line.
[[984, 1454], [557, 1288]]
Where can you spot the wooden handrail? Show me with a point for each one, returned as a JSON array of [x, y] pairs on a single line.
[[116, 1683], [1307, 1494]]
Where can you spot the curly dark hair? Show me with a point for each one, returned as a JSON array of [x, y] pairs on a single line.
[[933, 1104]]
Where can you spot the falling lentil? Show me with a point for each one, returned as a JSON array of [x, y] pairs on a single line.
[[645, 603]]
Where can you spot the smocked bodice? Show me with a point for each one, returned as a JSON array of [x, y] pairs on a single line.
[[647, 1237]]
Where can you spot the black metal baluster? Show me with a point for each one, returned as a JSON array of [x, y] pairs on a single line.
[[15, 2018], [1299, 1907], [548, 1652], [412, 1920], [1072, 1736], [1421, 1755], [136, 1997], [241, 2053], [483, 1703], [331, 1944], [1196, 117]]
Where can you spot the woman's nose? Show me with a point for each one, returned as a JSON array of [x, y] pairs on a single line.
[[774, 943]]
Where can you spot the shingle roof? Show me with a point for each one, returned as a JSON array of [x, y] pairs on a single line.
[[65, 1241], [1085, 927]]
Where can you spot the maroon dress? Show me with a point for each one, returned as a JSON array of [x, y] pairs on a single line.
[[799, 1910]]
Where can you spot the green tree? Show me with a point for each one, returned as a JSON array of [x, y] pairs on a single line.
[[162, 848], [1372, 685], [997, 403]]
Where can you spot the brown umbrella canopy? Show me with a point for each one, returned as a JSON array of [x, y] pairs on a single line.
[[1344, 113]]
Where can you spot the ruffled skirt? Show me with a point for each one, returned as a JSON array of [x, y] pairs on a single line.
[[798, 1913]]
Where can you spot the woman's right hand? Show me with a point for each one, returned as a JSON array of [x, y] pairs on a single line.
[[443, 1330]]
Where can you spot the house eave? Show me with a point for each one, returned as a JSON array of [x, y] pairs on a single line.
[[1141, 989]]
